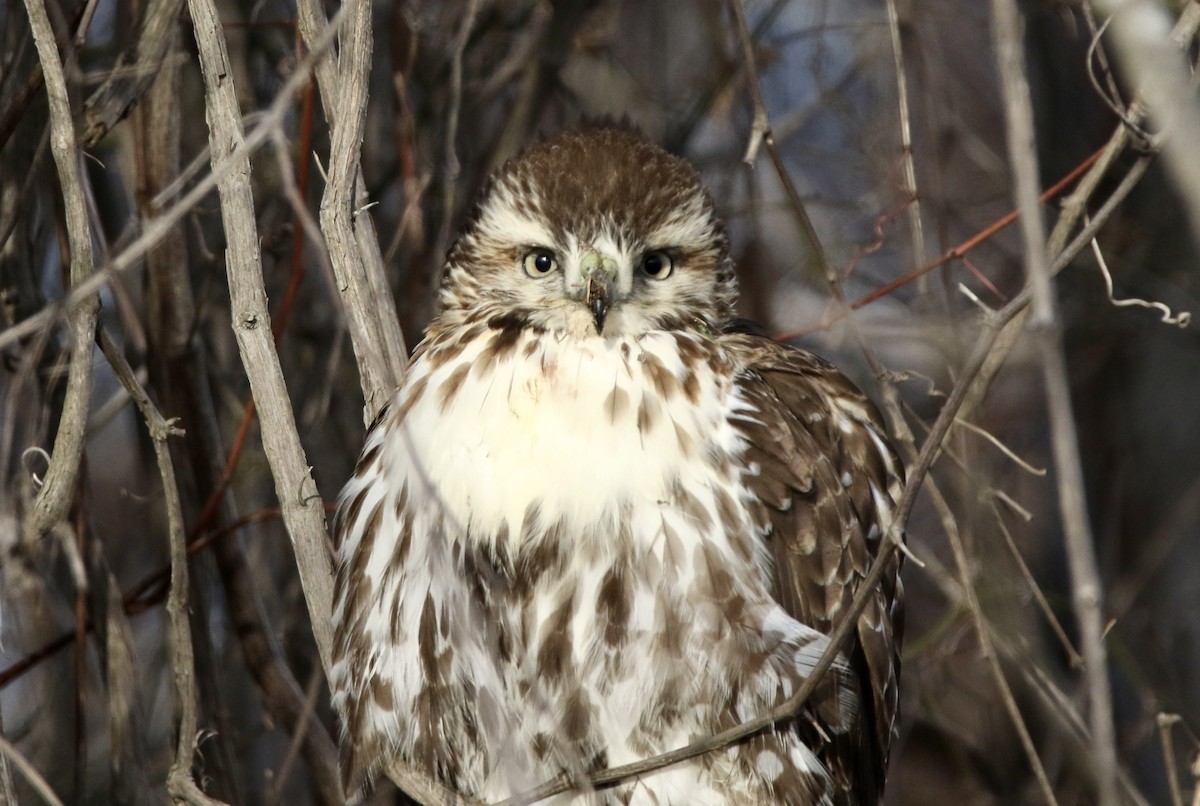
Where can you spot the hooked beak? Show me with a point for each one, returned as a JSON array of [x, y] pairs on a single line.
[[600, 286]]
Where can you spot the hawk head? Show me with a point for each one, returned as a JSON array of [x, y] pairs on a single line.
[[596, 232]]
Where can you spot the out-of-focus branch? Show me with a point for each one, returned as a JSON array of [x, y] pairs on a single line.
[[916, 231], [262, 653], [760, 127], [58, 486], [986, 649], [1153, 54], [1086, 585], [170, 307], [8, 795], [30, 774], [552, 40], [303, 512], [170, 322], [349, 231], [1052, 701], [760, 135], [114, 98], [450, 164], [33, 84]]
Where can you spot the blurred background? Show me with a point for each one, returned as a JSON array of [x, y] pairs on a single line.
[[458, 87]]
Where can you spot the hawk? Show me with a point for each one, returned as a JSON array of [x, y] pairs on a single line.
[[600, 518]]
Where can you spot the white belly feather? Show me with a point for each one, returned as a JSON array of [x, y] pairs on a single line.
[[627, 467], [560, 428]]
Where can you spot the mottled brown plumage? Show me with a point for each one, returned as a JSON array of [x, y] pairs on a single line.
[[599, 519]]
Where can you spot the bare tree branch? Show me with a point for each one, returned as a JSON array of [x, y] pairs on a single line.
[[349, 231], [338, 215], [58, 486], [180, 783], [1087, 588], [303, 512], [1152, 53]]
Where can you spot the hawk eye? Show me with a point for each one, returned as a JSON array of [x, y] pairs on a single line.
[[657, 265], [539, 262]]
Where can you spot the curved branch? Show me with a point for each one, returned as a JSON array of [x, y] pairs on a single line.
[[58, 487]]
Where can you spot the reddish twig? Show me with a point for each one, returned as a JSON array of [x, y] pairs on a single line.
[[956, 253]]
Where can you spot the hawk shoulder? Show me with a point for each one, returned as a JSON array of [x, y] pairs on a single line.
[[825, 478]]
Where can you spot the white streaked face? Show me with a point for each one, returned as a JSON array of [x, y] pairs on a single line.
[[596, 233]]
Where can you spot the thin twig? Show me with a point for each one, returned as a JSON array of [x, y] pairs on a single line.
[[1073, 658], [1169, 317], [28, 771], [308, 229], [760, 127], [1090, 173], [1110, 94], [1056, 703], [141, 597], [180, 783], [450, 163], [956, 253], [114, 98], [983, 633], [1087, 590], [1000, 446], [20, 101], [31, 176], [916, 231], [8, 793], [311, 692], [760, 135], [1165, 722]]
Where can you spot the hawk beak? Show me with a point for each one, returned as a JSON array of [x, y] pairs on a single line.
[[600, 289]]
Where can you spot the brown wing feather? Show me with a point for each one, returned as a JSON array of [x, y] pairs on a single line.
[[826, 478]]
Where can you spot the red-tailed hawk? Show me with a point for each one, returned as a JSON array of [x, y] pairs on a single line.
[[598, 520]]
